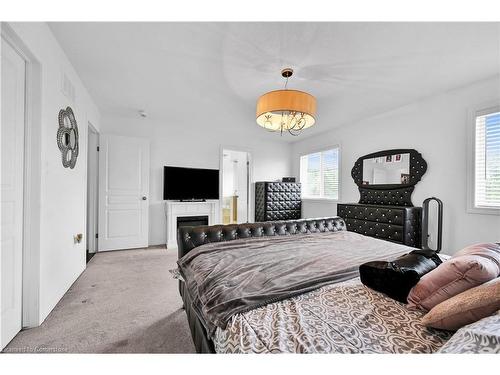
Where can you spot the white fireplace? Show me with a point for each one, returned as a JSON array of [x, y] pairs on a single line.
[[177, 209]]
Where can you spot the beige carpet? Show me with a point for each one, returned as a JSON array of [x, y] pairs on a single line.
[[125, 302]]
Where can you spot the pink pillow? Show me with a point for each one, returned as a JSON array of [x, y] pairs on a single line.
[[470, 267]]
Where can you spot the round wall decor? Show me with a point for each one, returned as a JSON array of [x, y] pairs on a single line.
[[67, 137]]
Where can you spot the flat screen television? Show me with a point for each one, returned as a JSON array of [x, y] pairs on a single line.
[[190, 183]]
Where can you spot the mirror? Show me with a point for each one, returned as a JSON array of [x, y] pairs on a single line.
[[72, 139], [392, 169], [388, 177], [67, 137], [66, 121]]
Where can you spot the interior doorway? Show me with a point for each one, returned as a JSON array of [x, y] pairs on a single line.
[[92, 190], [236, 179]]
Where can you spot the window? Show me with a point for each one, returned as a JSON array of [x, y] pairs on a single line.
[[319, 174], [487, 160]]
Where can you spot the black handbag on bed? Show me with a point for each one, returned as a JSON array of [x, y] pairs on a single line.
[[396, 278]]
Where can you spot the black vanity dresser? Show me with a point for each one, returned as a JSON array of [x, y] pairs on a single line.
[[386, 180]]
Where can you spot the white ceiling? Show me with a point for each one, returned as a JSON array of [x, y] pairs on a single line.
[[208, 71]]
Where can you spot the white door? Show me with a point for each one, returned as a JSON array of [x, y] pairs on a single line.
[[12, 139], [123, 192]]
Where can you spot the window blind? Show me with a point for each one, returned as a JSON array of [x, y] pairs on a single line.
[[487, 160], [319, 174]]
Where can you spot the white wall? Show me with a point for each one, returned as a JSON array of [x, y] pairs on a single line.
[[63, 190], [180, 145], [437, 128]]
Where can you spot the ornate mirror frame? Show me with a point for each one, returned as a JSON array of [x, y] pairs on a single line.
[[67, 137], [389, 194]]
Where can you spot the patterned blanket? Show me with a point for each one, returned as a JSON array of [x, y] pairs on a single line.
[[481, 337], [341, 318]]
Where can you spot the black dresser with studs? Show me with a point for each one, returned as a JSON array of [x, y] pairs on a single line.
[[386, 180], [277, 201], [393, 223]]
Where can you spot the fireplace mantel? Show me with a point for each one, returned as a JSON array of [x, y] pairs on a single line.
[[175, 209]]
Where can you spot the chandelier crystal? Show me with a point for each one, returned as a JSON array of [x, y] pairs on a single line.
[[286, 110]]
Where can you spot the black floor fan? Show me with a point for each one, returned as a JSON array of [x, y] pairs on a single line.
[[425, 224]]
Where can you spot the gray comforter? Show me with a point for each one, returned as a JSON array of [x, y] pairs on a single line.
[[226, 278]]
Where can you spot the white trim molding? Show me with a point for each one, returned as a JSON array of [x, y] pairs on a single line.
[[320, 200], [32, 181], [92, 204]]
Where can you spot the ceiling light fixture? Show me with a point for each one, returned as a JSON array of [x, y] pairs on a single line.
[[286, 110]]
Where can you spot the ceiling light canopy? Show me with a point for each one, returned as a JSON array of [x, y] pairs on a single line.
[[286, 110]]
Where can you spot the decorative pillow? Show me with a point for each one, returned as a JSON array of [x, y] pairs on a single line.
[[470, 267], [466, 307], [489, 250], [482, 336]]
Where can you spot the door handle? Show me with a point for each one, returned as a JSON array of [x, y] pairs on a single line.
[[144, 198]]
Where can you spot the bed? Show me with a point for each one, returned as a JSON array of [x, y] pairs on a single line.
[[292, 286]]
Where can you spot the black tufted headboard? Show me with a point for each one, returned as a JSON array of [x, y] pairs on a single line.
[[190, 237]]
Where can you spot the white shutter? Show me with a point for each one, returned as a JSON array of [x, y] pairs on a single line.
[[330, 174], [487, 160], [311, 174], [319, 174]]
